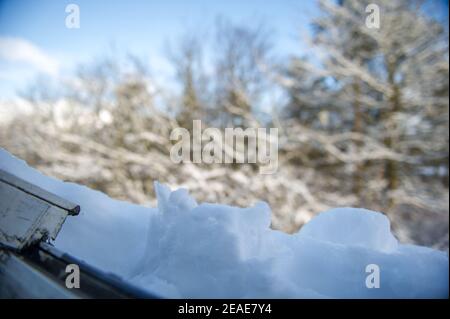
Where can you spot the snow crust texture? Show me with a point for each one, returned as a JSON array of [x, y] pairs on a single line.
[[185, 249]]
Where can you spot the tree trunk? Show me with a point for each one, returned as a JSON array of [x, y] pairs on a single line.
[[357, 128], [391, 166]]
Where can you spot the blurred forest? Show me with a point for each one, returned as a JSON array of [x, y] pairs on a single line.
[[363, 120]]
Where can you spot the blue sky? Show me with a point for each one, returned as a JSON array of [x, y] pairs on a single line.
[[36, 40], [140, 27]]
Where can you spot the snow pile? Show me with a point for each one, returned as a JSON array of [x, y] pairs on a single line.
[[185, 249]]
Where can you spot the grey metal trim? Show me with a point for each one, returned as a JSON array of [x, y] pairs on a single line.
[[29, 214], [40, 272], [20, 279], [71, 208]]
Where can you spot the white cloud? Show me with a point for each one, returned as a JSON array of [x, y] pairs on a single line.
[[21, 50]]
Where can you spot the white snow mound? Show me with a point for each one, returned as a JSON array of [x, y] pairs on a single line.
[[357, 227], [185, 249]]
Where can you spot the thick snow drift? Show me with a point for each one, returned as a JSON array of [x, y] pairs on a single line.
[[182, 249]]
